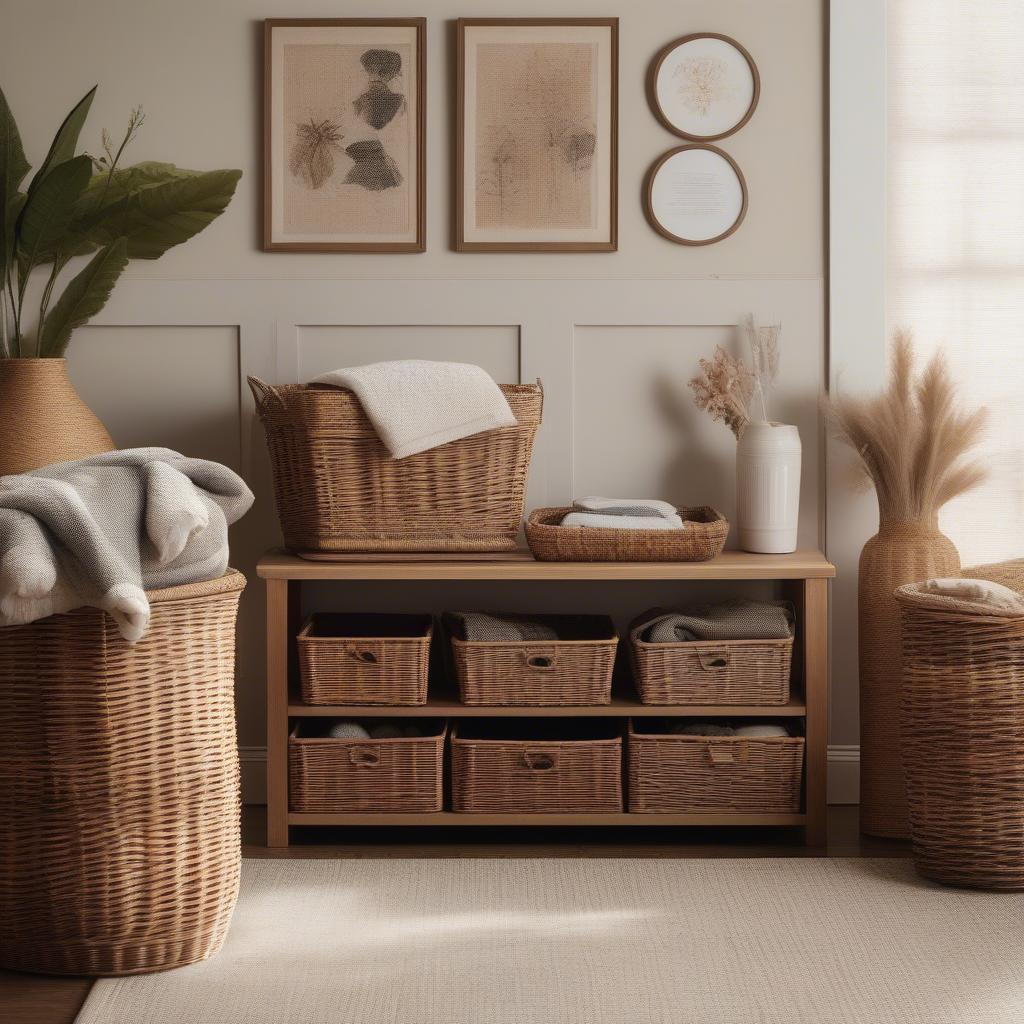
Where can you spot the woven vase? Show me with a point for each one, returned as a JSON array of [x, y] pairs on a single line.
[[42, 417], [901, 552]]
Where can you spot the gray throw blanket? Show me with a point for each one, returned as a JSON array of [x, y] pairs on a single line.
[[102, 531], [507, 629], [731, 620]]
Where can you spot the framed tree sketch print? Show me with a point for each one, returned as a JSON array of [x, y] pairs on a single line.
[[344, 135], [536, 135]]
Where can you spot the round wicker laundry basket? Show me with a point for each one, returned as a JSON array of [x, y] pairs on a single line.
[[119, 787], [962, 723]]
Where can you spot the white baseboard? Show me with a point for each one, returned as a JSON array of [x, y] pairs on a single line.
[[843, 774]]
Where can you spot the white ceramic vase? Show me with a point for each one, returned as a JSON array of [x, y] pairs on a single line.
[[768, 487]]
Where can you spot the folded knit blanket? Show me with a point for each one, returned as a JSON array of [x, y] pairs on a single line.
[[102, 531], [626, 507], [417, 404], [486, 628], [732, 620]]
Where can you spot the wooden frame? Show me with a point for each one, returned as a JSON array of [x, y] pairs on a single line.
[[459, 241], [420, 120], [803, 577], [652, 85], [649, 188]]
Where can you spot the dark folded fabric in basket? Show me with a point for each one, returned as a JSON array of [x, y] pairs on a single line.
[[509, 629], [731, 620]]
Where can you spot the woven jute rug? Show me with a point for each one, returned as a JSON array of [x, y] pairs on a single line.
[[800, 941]]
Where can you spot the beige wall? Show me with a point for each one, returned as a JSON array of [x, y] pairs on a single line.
[[614, 336]]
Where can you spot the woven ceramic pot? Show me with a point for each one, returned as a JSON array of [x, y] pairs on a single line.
[[42, 417], [901, 552]]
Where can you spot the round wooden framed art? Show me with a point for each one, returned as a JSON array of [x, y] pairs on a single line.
[[695, 195], [703, 86]]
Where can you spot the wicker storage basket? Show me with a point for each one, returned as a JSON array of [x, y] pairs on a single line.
[[672, 773], [338, 489], [962, 727], [362, 658], [120, 849], [536, 766], [545, 673], [403, 774], [713, 671], [702, 539]]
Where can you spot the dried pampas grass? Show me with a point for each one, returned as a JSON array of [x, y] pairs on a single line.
[[912, 439]]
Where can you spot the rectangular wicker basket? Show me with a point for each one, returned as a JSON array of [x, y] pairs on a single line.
[[536, 766], [701, 539], [671, 773], [338, 489], [404, 774], [363, 658], [564, 672], [713, 671]]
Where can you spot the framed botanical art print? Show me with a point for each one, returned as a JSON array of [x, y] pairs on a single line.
[[344, 135], [703, 86], [536, 135]]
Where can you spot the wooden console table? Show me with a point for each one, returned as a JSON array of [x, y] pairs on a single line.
[[802, 577]]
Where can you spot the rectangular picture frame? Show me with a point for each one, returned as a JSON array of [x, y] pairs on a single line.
[[318, 195], [545, 179]]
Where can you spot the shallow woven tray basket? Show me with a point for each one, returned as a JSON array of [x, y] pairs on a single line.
[[702, 538], [119, 787], [352, 659], [962, 728], [338, 489], [540, 673], [506, 775], [671, 773], [713, 671], [403, 774]]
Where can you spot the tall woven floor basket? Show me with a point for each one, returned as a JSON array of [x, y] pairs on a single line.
[[119, 787]]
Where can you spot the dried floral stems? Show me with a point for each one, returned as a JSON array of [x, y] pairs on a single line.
[[763, 343], [912, 439]]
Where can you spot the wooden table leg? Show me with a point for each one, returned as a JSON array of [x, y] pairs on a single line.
[[279, 600], [815, 663]]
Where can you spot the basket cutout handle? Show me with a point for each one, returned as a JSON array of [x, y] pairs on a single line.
[[720, 754], [363, 656], [541, 659], [712, 661], [540, 760], [364, 757], [263, 394]]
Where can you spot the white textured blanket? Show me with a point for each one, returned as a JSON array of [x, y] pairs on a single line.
[[102, 531], [416, 404]]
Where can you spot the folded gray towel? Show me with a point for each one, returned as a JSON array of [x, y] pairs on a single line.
[[731, 620], [509, 629]]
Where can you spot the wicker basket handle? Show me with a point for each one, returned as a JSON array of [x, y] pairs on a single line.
[[711, 661], [540, 760], [720, 754], [263, 394], [365, 757], [540, 660], [363, 656]]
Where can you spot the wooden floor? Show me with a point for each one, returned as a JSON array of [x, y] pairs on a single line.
[[28, 999]]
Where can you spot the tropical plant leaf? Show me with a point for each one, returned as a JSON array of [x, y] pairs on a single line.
[[160, 206], [85, 295], [13, 168], [48, 210], [65, 142]]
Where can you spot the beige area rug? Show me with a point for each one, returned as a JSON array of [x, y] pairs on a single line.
[[800, 941]]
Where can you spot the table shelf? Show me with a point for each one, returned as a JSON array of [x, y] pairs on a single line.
[[498, 820]]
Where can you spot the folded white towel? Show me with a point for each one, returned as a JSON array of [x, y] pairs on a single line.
[[761, 729], [626, 507], [983, 592], [604, 521], [416, 404]]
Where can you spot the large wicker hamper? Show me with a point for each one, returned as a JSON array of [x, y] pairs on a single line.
[[338, 489], [119, 787], [962, 729]]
